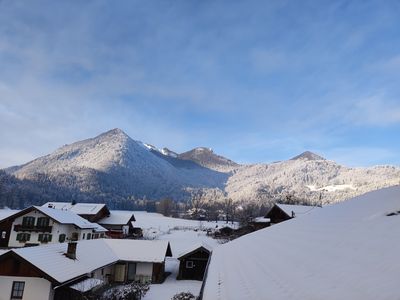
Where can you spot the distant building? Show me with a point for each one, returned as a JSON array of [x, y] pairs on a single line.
[[193, 262], [282, 212], [59, 271], [119, 224], [38, 225]]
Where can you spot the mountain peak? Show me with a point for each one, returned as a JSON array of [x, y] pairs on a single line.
[[115, 131], [308, 155], [207, 158]]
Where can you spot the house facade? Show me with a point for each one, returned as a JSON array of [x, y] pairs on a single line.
[[38, 225], [57, 271]]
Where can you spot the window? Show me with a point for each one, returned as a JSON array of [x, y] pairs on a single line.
[[17, 290], [88, 236], [96, 236], [43, 222], [61, 238], [23, 237], [28, 221], [74, 236], [3, 234], [83, 236], [44, 237], [189, 264]]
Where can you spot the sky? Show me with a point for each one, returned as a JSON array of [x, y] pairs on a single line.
[[256, 81]]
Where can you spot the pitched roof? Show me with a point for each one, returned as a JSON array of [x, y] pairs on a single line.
[[297, 209], [344, 251], [78, 208], [195, 247], [139, 250], [117, 217], [51, 260], [5, 213], [68, 217]]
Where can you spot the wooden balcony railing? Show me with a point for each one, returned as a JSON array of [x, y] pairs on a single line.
[[21, 227]]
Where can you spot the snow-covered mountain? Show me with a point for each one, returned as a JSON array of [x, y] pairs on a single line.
[[114, 166]]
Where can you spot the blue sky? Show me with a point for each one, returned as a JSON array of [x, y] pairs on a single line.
[[257, 81]]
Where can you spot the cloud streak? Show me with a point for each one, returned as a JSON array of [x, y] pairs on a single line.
[[183, 74]]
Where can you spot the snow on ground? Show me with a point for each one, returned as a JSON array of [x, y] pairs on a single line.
[[344, 251], [182, 235], [154, 224], [332, 188], [171, 286]]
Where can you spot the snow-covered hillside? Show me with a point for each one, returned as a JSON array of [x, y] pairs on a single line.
[[114, 166], [345, 251]]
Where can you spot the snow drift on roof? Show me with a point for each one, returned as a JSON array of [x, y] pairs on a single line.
[[117, 217], [346, 251], [78, 208], [68, 217], [91, 255]]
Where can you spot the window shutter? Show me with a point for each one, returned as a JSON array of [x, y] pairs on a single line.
[[18, 236], [40, 238], [49, 237], [28, 238]]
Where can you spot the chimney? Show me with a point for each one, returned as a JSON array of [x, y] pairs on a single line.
[[71, 250]]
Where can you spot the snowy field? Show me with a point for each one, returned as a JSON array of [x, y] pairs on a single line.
[[182, 235]]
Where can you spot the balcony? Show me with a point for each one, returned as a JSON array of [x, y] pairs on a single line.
[[25, 228]]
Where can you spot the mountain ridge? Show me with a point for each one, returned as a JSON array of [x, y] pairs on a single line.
[[114, 166]]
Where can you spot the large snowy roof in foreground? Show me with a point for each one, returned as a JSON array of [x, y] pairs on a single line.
[[91, 255], [345, 251], [297, 209]]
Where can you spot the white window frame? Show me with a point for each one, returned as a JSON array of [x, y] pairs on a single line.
[[189, 264]]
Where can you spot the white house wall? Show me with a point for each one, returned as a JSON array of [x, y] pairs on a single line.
[[57, 229], [35, 288]]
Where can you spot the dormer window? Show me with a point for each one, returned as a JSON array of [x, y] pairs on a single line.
[[28, 221]]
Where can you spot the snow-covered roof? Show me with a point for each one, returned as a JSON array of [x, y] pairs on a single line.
[[297, 209], [2, 251], [194, 247], [139, 250], [78, 208], [68, 217], [5, 213], [117, 217], [344, 251], [90, 255]]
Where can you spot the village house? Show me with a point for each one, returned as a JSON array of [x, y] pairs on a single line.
[[193, 262], [119, 223], [57, 271], [38, 225], [282, 212], [92, 212]]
